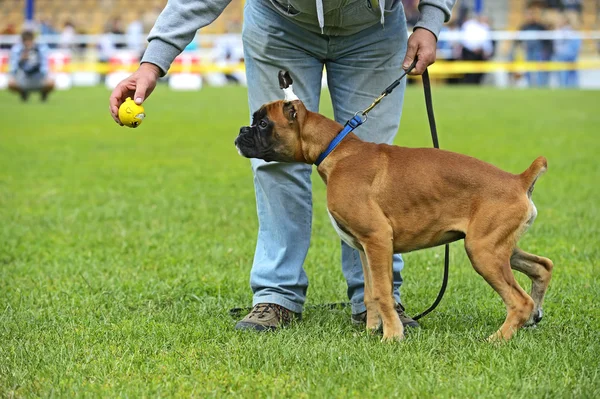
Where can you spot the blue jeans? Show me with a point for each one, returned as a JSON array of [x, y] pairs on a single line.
[[358, 67], [540, 78], [568, 78]]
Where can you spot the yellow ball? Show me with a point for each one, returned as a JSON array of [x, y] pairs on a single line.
[[131, 114]]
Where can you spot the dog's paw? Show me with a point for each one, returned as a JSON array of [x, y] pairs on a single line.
[[535, 318], [496, 338], [393, 338]]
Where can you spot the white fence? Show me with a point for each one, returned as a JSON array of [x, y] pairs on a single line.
[[215, 59]]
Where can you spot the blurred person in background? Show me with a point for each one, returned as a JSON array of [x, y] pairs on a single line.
[[46, 29], [135, 36], [536, 49], [115, 27], [29, 68], [364, 46], [106, 46], [450, 49], [566, 49], [476, 45], [229, 51], [67, 36]]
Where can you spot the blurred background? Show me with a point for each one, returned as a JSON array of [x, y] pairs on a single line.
[[544, 43]]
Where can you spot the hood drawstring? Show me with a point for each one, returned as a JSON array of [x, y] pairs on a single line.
[[382, 10], [321, 14]]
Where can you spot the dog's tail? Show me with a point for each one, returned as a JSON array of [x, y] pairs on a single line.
[[529, 177]]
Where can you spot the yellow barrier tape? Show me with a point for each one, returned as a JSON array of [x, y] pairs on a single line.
[[446, 67], [439, 68]]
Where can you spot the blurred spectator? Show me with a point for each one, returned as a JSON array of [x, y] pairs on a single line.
[[9, 30], [536, 49], [135, 36], [29, 68], [106, 47], [67, 36], [115, 27], [476, 45], [566, 49], [450, 49], [46, 28], [229, 51]]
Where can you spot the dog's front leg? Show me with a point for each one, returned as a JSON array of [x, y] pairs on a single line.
[[379, 251], [373, 318]]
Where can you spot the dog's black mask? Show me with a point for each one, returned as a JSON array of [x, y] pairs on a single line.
[[257, 140]]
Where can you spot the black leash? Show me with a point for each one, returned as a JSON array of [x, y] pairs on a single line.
[[436, 144], [235, 312]]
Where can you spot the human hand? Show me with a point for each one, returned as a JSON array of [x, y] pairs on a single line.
[[137, 86], [422, 44]]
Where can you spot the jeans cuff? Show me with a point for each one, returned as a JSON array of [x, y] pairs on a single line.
[[358, 307], [277, 300]]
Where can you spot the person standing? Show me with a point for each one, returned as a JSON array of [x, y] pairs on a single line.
[[476, 45], [363, 44], [536, 49], [566, 49]]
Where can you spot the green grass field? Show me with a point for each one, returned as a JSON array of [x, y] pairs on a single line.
[[122, 250]]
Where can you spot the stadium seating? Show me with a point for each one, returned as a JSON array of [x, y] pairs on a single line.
[[91, 16]]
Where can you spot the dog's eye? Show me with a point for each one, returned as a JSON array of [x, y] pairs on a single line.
[[262, 124]]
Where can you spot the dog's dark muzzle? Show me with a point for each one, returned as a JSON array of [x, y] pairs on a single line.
[[244, 140], [245, 136]]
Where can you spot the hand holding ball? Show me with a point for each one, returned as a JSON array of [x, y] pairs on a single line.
[[131, 114]]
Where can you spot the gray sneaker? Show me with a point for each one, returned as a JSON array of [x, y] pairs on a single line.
[[361, 318], [267, 317]]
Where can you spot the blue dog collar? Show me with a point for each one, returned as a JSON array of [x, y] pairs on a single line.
[[352, 124]]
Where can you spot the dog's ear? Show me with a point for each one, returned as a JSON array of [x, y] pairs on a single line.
[[285, 80], [290, 111]]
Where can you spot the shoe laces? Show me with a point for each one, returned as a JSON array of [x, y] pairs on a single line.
[[400, 309], [261, 310]]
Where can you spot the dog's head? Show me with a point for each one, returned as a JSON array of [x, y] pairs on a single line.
[[275, 133]]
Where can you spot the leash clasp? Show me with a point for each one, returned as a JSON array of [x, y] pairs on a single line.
[[373, 104]]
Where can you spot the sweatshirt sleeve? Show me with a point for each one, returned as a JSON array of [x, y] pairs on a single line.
[[433, 14], [176, 26]]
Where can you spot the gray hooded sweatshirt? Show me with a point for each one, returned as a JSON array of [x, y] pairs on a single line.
[[177, 24]]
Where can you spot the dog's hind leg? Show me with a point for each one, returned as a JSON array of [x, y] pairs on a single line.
[[539, 270], [373, 319], [490, 255]]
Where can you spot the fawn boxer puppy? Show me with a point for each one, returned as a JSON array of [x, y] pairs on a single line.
[[386, 199]]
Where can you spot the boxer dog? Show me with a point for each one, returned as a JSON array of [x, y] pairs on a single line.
[[385, 199]]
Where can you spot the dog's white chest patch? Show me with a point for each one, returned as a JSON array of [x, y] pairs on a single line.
[[347, 238]]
